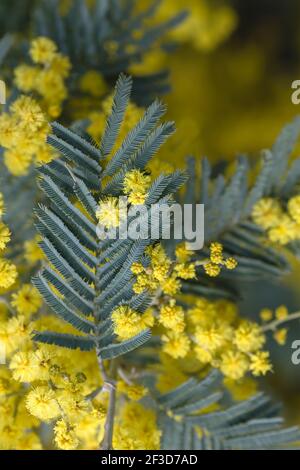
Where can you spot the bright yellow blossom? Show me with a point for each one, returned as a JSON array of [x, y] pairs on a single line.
[[210, 338], [29, 113], [27, 300], [248, 337], [211, 269], [109, 212], [234, 364], [17, 162], [284, 232], [171, 286], [136, 198], [231, 263], [260, 364], [176, 345], [267, 213], [42, 50], [21, 365], [136, 429], [203, 355], [136, 181], [65, 437], [128, 322], [280, 336], [216, 253], [186, 271], [171, 316], [25, 77], [42, 403], [266, 314], [8, 274], [281, 313]]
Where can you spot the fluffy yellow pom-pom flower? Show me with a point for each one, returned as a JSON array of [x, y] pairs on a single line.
[[27, 300], [8, 274], [136, 181], [65, 437], [267, 213], [42, 403], [176, 345], [42, 50], [128, 322], [172, 316], [234, 364], [248, 337], [29, 113], [108, 212], [260, 364]]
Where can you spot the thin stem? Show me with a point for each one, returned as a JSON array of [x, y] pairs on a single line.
[[106, 444], [124, 377], [274, 324], [109, 386], [94, 394]]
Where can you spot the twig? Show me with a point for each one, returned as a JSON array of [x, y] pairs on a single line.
[[106, 444], [124, 377], [110, 387], [274, 324]]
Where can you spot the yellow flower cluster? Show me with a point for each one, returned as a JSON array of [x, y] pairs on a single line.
[[65, 437], [161, 273], [129, 323], [27, 300], [46, 77], [283, 227], [136, 429], [57, 391], [176, 345], [136, 184], [216, 336], [171, 316], [8, 274], [281, 315], [163, 276], [217, 260], [8, 271], [23, 134], [23, 130]]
